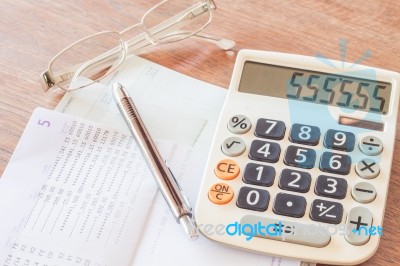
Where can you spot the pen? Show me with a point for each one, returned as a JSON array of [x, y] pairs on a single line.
[[167, 184]]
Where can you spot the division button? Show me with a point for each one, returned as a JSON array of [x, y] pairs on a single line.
[[359, 221], [270, 129], [227, 169], [367, 168], [258, 174], [239, 124], [326, 211], [291, 232], [371, 145], [233, 146], [253, 199], [363, 192], [290, 205], [220, 193]]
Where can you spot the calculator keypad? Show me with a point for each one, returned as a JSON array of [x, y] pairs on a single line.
[[331, 187], [233, 146], [326, 211], [258, 177], [335, 163], [290, 205], [253, 199], [293, 180], [258, 174], [270, 129], [305, 134], [339, 140], [264, 151], [300, 157]]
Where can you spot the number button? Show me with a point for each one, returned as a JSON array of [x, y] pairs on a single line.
[[300, 157], [293, 180], [335, 163], [239, 124], [331, 187], [264, 151], [339, 140], [233, 146], [253, 199], [326, 211], [257, 174], [303, 134], [220, 193], [371, 146], [270, 129], [227, 169], [290, 205]]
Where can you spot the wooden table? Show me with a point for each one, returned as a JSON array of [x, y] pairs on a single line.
[[32, 32]]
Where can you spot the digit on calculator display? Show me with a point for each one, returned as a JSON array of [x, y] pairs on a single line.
[[316, 87]]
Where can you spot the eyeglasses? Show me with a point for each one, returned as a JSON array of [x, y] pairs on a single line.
[[96, 56]]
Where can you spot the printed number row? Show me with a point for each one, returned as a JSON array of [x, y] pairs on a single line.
[[300, 157], [294, 180], [305, 134]]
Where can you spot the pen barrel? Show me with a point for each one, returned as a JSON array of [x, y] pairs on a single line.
[[163, 177]]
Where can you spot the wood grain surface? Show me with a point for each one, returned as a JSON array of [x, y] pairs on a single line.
[[32, 32]]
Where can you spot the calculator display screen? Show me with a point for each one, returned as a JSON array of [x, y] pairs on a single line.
[[316, 87]]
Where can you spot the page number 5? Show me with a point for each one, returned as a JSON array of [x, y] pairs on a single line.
[[44, 123]]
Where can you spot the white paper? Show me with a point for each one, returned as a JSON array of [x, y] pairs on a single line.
[[74, 193], [173, 106]]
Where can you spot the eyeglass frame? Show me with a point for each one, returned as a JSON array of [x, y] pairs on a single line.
[[49, 80]]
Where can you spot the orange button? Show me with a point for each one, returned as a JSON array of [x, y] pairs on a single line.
[[220, 193], [227, 169]]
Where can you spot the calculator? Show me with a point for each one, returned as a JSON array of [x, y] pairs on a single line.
[[300, 161]]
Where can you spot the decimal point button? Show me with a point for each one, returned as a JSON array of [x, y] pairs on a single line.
[[220, 193]]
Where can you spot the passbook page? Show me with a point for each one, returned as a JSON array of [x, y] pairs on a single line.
[[74, 193]]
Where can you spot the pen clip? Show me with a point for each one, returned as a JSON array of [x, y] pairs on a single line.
[[185, 198]]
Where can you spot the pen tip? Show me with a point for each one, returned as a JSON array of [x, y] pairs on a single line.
[[189, 226], [119, 91]]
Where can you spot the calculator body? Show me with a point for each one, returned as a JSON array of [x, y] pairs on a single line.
[[315, 193]]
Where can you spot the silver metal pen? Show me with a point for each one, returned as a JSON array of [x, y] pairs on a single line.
[[167, 184]]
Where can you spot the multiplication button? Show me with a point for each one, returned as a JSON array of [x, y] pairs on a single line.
[[367, 168], [239, 124], [363, 192], [371, 146], [233, 146]]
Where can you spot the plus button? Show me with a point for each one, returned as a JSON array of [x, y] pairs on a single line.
[[358, 223]]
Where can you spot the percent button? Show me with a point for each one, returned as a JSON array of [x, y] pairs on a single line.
[[239, 124]]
